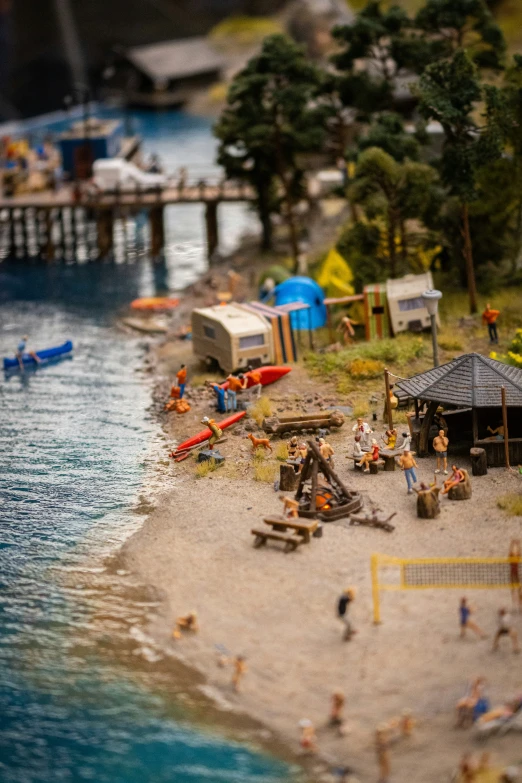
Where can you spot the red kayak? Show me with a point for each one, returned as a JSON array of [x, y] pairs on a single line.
[[269, 374], [201, 437]]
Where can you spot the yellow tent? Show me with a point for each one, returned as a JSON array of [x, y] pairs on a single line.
[[335, 276]]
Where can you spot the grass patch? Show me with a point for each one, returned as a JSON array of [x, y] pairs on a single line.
[[364, 369], [244, 30], [450, 343], [281, 451], [511, 504], [260, 410], [204, 468], [265, 471], [360, 410]]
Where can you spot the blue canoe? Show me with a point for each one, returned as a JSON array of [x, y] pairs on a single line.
[[45, 356]]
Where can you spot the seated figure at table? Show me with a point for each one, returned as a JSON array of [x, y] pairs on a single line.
[[390, 438], [370, 456], [357, 450]]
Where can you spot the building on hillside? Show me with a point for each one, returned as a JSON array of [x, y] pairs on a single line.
[[164, 74]]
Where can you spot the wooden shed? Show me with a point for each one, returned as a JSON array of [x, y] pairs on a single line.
[[469, 390]]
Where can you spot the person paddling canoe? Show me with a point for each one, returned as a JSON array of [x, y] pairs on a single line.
[[23, 349]]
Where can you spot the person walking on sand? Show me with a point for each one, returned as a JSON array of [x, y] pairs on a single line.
[[440, 444], [408, 465], [504, 629], [489, 317], [465, 612], [181, 377], [239, 670], [343, 607], [337, 708], [308, 739]]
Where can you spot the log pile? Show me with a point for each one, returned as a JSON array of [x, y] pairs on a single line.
[[277, 425]]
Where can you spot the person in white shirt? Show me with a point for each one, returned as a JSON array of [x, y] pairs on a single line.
[[505, 629], [363, 429]]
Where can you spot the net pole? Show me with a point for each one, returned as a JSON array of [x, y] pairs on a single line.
[[375, 589]]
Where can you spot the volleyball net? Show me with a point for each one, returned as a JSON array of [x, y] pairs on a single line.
[[393, 573]]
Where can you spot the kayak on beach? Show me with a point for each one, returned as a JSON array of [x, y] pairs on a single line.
[[269, 374], [45, 356], [154, 303], [205, 434]]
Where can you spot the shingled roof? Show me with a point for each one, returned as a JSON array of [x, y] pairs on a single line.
[[471, 381]]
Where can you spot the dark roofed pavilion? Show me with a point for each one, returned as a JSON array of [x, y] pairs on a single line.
[[471, 383]]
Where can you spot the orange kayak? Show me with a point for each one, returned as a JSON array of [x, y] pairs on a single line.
[[269, 374], [156, 303]]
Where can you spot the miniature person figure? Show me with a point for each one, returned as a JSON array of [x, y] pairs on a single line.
[[382, 749], [255, 381], [22, 348], [465, 707], [489, 317], [406, 442], [504, 629], [221, 396], [364, 430], [343, 606], [515, 555], [308, 739], [497, 434], [336, 711], [357, 451], [347, 330], [370, 456], [393, 404], [188, 622], [217, 433], [290, 507], [406, 723], [456, 477], [239, 670], [440, 444], [467, 769], [235, 385], [390, 438], [326, 451], [181, 377], [293, 448], [465, 612], [408, 465], [303, 453]]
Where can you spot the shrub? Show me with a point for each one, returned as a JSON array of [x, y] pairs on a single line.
[[450, 344], [511, 504], [260, 410], [363, 369]]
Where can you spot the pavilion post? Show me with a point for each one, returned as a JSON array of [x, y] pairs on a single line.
[[505, 424], [388, 406], [474, 425]]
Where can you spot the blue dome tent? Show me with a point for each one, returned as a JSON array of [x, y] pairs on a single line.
[[306, 290]]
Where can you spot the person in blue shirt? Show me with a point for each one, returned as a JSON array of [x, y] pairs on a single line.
[[466, 622], [23, 349]]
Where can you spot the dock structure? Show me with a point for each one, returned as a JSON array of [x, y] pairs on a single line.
[[54, 224], [80, 222]]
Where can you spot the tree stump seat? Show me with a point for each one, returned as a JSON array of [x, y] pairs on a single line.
[[479, 461], [463, 490]]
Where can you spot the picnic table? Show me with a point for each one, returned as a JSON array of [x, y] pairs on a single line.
[[389, 456], [301, 531]]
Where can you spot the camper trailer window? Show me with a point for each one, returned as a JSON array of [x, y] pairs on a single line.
[[209, 332], [251, 341], [411, 304]]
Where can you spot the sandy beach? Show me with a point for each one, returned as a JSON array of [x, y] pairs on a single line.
[[279, 609]]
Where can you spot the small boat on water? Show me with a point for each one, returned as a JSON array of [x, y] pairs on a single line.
[[45, 356], [205, 434], [269, 374]]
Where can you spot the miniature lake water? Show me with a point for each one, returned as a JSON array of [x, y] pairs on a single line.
[[75, 443]]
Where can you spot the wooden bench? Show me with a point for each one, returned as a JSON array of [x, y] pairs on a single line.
[[290, 541], [302, 527], [374, 465]]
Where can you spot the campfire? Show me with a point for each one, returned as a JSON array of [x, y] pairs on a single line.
[[321, 493]]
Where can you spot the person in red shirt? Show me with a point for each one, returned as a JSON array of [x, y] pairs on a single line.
[[181, 378], [489, 317], [370, 456]]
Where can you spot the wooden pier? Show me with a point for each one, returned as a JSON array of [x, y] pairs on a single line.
[[55, 224], [80, 222]]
